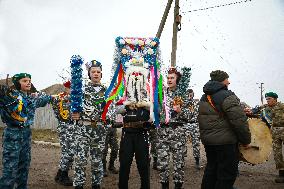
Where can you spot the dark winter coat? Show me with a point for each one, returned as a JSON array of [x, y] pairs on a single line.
[[227, 122]]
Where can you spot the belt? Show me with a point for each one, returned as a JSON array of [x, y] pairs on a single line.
[[17, 126], [87, 122], [172, 124], [138, 124], [277, 127]]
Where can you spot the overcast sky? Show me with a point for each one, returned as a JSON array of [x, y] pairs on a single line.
[[246, 40]]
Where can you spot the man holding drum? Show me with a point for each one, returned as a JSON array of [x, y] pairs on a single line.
[[223, 125]]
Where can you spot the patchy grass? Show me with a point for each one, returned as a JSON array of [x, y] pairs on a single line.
[[46, 135]]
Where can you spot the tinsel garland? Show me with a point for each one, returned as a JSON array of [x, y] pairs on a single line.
[[156, 97], [76, 96], [118, 89], [184, 81], [63, 113]]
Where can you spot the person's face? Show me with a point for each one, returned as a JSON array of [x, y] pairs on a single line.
[[172, 80], [190, 95], [271, 101], [96, 74], [25, 84], [226, 82]]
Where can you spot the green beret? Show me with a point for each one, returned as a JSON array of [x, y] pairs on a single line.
[[271, 94], [19, 76], [218, 75]]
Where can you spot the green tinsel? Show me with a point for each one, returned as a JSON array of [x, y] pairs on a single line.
[[184, 81]]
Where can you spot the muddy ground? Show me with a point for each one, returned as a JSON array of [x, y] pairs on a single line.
[[45, 161]]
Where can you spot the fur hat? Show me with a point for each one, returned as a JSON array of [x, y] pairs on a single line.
[[218, 75]]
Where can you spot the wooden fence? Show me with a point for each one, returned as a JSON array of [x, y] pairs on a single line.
[[44, 119]]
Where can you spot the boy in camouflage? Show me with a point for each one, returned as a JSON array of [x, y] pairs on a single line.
[[193, 127], [17, 112], [65, 129], [111, 140], [90, 131], [172, 136], [153, 143], [273, 114]]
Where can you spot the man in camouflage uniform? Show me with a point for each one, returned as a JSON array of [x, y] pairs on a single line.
[[90, 131], [172, 136], [193, 128], [65, 129], [17, 112], [272, 114], [111, 140]]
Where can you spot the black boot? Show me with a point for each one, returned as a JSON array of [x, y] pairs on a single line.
[[178, 185], [197, 164], [64, 179], [58, 175], [105, 171], [79, 187], [96, 186], [155, 166], [111, 167], [165, 185], [280, 178]]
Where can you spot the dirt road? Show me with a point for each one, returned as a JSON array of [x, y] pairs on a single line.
[[45, 160]]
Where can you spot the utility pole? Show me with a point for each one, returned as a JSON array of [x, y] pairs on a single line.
[[176, 24], [164, 19], [175, 30], [261, 91]]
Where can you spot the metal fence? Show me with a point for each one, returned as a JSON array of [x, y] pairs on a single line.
[[44, 119]]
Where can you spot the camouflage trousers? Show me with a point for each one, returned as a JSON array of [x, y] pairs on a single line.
[[89, 139], [171, 141], [277, 142], [192, 130], [67, 144], [16, 158], [153, 142], [111, 140]]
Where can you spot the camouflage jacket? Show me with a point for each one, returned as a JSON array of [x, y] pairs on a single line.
[[61, 108], [93, 103], [264, 113], [175, 117], [193, 110], [272, 116], [277, 115], [18, 108]]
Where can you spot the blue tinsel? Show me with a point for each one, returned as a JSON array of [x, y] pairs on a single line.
[[76, 95]]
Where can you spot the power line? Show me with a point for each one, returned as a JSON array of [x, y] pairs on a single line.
[[216, 6]]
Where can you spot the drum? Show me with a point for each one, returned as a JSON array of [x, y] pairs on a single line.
[[261, 143]]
